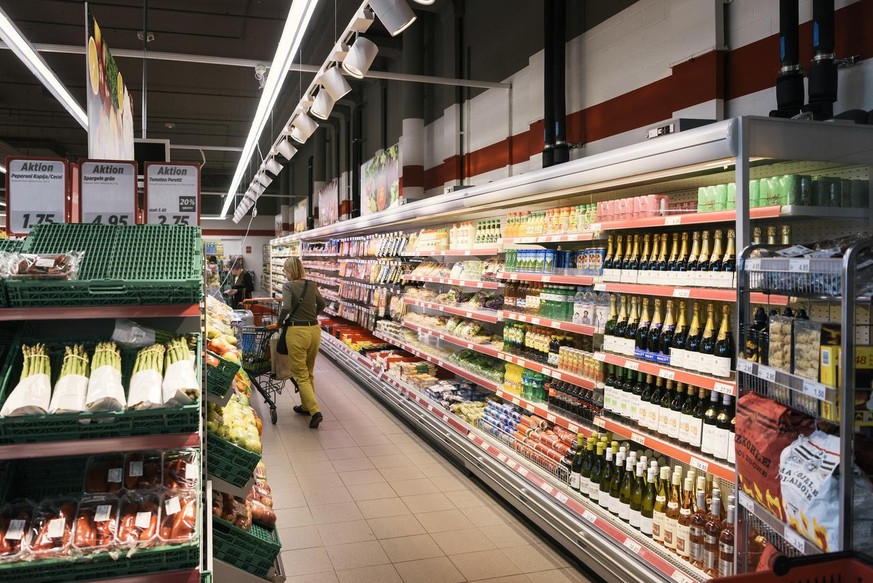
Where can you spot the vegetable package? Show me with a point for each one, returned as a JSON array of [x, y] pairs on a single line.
[[145, 384], [138, 519], [142, 470], [15, 522], [179, 516], [32, 394], [96, 524], [44, 266], [104, 474], [180, 381], [52, 528], [181, 469], [71, 389], [105, 391]]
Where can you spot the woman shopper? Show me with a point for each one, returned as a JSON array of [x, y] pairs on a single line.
[[242, 285], [301, 303]]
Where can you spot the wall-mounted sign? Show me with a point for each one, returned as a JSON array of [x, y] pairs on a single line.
[[172, 193], [328, 205], [380, 181], [36, 193], [107, 192]]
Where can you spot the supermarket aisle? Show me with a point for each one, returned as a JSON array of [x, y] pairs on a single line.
[[364, 499]]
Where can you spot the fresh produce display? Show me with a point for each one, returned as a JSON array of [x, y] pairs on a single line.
[[52, 528], [142, 470], [178, 516], [14, 523], [479, 364], [32, 394], [145, 384], [71, 389], [181, 469], [261, 498], [138, 519], [105, 392], [235, 510], [49, 266], [96, 524], [104, 474], [180, 385], [236, 422]]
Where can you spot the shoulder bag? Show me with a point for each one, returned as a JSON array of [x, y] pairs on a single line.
[[282, 346]]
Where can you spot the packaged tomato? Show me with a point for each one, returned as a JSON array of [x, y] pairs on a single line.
[[52, 528], [179, 516], [15, 521], [181, 469], [261, 471], [237, 511], [104, 474], [142, 470], [96, 524], [138, 516]]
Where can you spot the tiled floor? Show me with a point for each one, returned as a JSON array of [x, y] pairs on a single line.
[[364, 499]]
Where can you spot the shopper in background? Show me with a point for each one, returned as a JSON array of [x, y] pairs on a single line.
[[301, 303], [242, 286]]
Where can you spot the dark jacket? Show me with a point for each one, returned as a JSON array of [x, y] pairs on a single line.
[[244, 285]]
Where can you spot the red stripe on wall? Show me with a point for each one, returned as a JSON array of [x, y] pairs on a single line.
[[413, 176], [238, 232]]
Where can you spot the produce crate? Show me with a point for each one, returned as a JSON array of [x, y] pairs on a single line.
[[230, 462], [219, 379], [89, 425], [8, 246], [206, 577], [121, 265], [254, 551]]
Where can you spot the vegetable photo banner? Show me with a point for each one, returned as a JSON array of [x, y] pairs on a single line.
[[380, 181], [110, 106], [328, 206]]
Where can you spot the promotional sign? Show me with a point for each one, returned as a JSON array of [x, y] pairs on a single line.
[[107, 192], [172, 193], [301, 212], [380, 181], [36, 192], [110, 113], [328, 209]]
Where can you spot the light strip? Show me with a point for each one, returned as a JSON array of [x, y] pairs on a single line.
[[295, 27], [2, 169], [25, 51]]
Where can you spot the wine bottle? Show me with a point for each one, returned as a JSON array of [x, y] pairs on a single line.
[[698, 530], [729, 263], [654, 340], [655, 407], [597, 465], [607, 260], [726, 542], [676, 411], [615, 482], [626, 394], [686, 418], [587, 464], [664, 415], [707, 342], [628, 480], [771, 235], [659, 510], [694, 256], [709, 436], [682, 260], [753, 337], [605, 480], [621, 323], [692, 341], [637, 399], [618, 258], [644, 258], [608, 387], [711, 532], [646, 402], [665, 340], [723, 351], [680, 335], [717, 252], [638, 490], [647, 507], [662, 254], [701, 277], [633, 263], [576, 468], [722, 429], [630, 331], [674, 254], [683, 523], [671, 524], [642, 338], [611, 319]]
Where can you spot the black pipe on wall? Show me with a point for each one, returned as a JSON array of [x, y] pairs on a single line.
[[823, 72], [562, 149], [357, 158], [548, 83], [789, 83]]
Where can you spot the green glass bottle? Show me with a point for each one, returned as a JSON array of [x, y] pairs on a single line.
[[637, 491], [587, 465], [615, 484], [626, 490], [647, 510], [576, 466], [605, 480]]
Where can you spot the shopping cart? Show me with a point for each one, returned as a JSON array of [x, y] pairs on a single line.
[[264, 310], [843, 567], [256, 361]]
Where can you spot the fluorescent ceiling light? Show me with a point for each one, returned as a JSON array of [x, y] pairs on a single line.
[[292, 35], [360, 57], [25, 51], [212, 218], [2, 169], [424, 2], [396, 15]]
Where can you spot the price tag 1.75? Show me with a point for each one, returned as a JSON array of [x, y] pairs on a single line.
[[37, 193]]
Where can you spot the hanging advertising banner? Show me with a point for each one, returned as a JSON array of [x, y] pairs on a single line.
[[110, 106], [301, 212], [172, 193], [37, 191], [380, 181], [328, 207], [107, 192]]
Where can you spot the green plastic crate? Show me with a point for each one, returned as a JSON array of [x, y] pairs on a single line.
[[121, 265], [206, 577], [219, 379], [229, 462], [9, 246], [254, 551], [88, 425]]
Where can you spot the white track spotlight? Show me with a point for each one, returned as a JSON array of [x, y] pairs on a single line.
[[360, 57], [286, 148], [362, 20], [396, 15], [302, 127], [323, 105], [273, 166], [258, 188], [263, 178], [334, 83], [424, 2]]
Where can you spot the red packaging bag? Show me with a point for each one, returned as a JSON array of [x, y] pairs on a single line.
[[764, 428]]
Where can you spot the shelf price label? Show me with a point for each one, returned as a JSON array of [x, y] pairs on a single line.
[[794, 539], [172, 193], [666, 374], [798, 265], [699, 464], [107, 192], [815, 390], [36, 193], [674, 220], [634, 546], [589, 516], [746, 502], [767, 373], [745, 366], [681, 577], [681, 293]]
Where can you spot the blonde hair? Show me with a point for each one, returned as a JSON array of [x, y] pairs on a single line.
[[294, 269]]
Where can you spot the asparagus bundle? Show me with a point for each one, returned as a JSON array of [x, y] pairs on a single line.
[[105, 392], [145, 384], [32, 394], [71, 388], [180, 382]]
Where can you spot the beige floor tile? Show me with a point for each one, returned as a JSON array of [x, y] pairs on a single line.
[[568, 575], [394, 526], [300, 537], [306, 561], [536, 557], [435, 470], [354, 464], [405, 472], [382, 508], [468, 540], [328, 496], [443, 520], [329, 577], [411, 548], [398, 438], [509, 535], [385, 449], [361, 477], [373, 439], [288, 499], [411, 448], [471, 498], [373, 491], [337, 442], [374, 574], [342, 512], [453, 484], [366, 430], [313, 468], [484, 564], [340, 533], [354, 555], [437, 570], [343, 453], [309, 483], [413, 487], [507, 579], [482, 515], [390, 461], [420, 458], [427, 502], [291, 517]]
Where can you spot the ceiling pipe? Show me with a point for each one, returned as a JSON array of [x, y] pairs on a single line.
[[789, 83], [562, 149], [823, 72], [548, 84]]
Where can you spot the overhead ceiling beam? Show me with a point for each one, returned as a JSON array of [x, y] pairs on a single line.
[[252, 63], [207, 148]]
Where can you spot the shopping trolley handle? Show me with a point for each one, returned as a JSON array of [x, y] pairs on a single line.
[[782, 564]]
